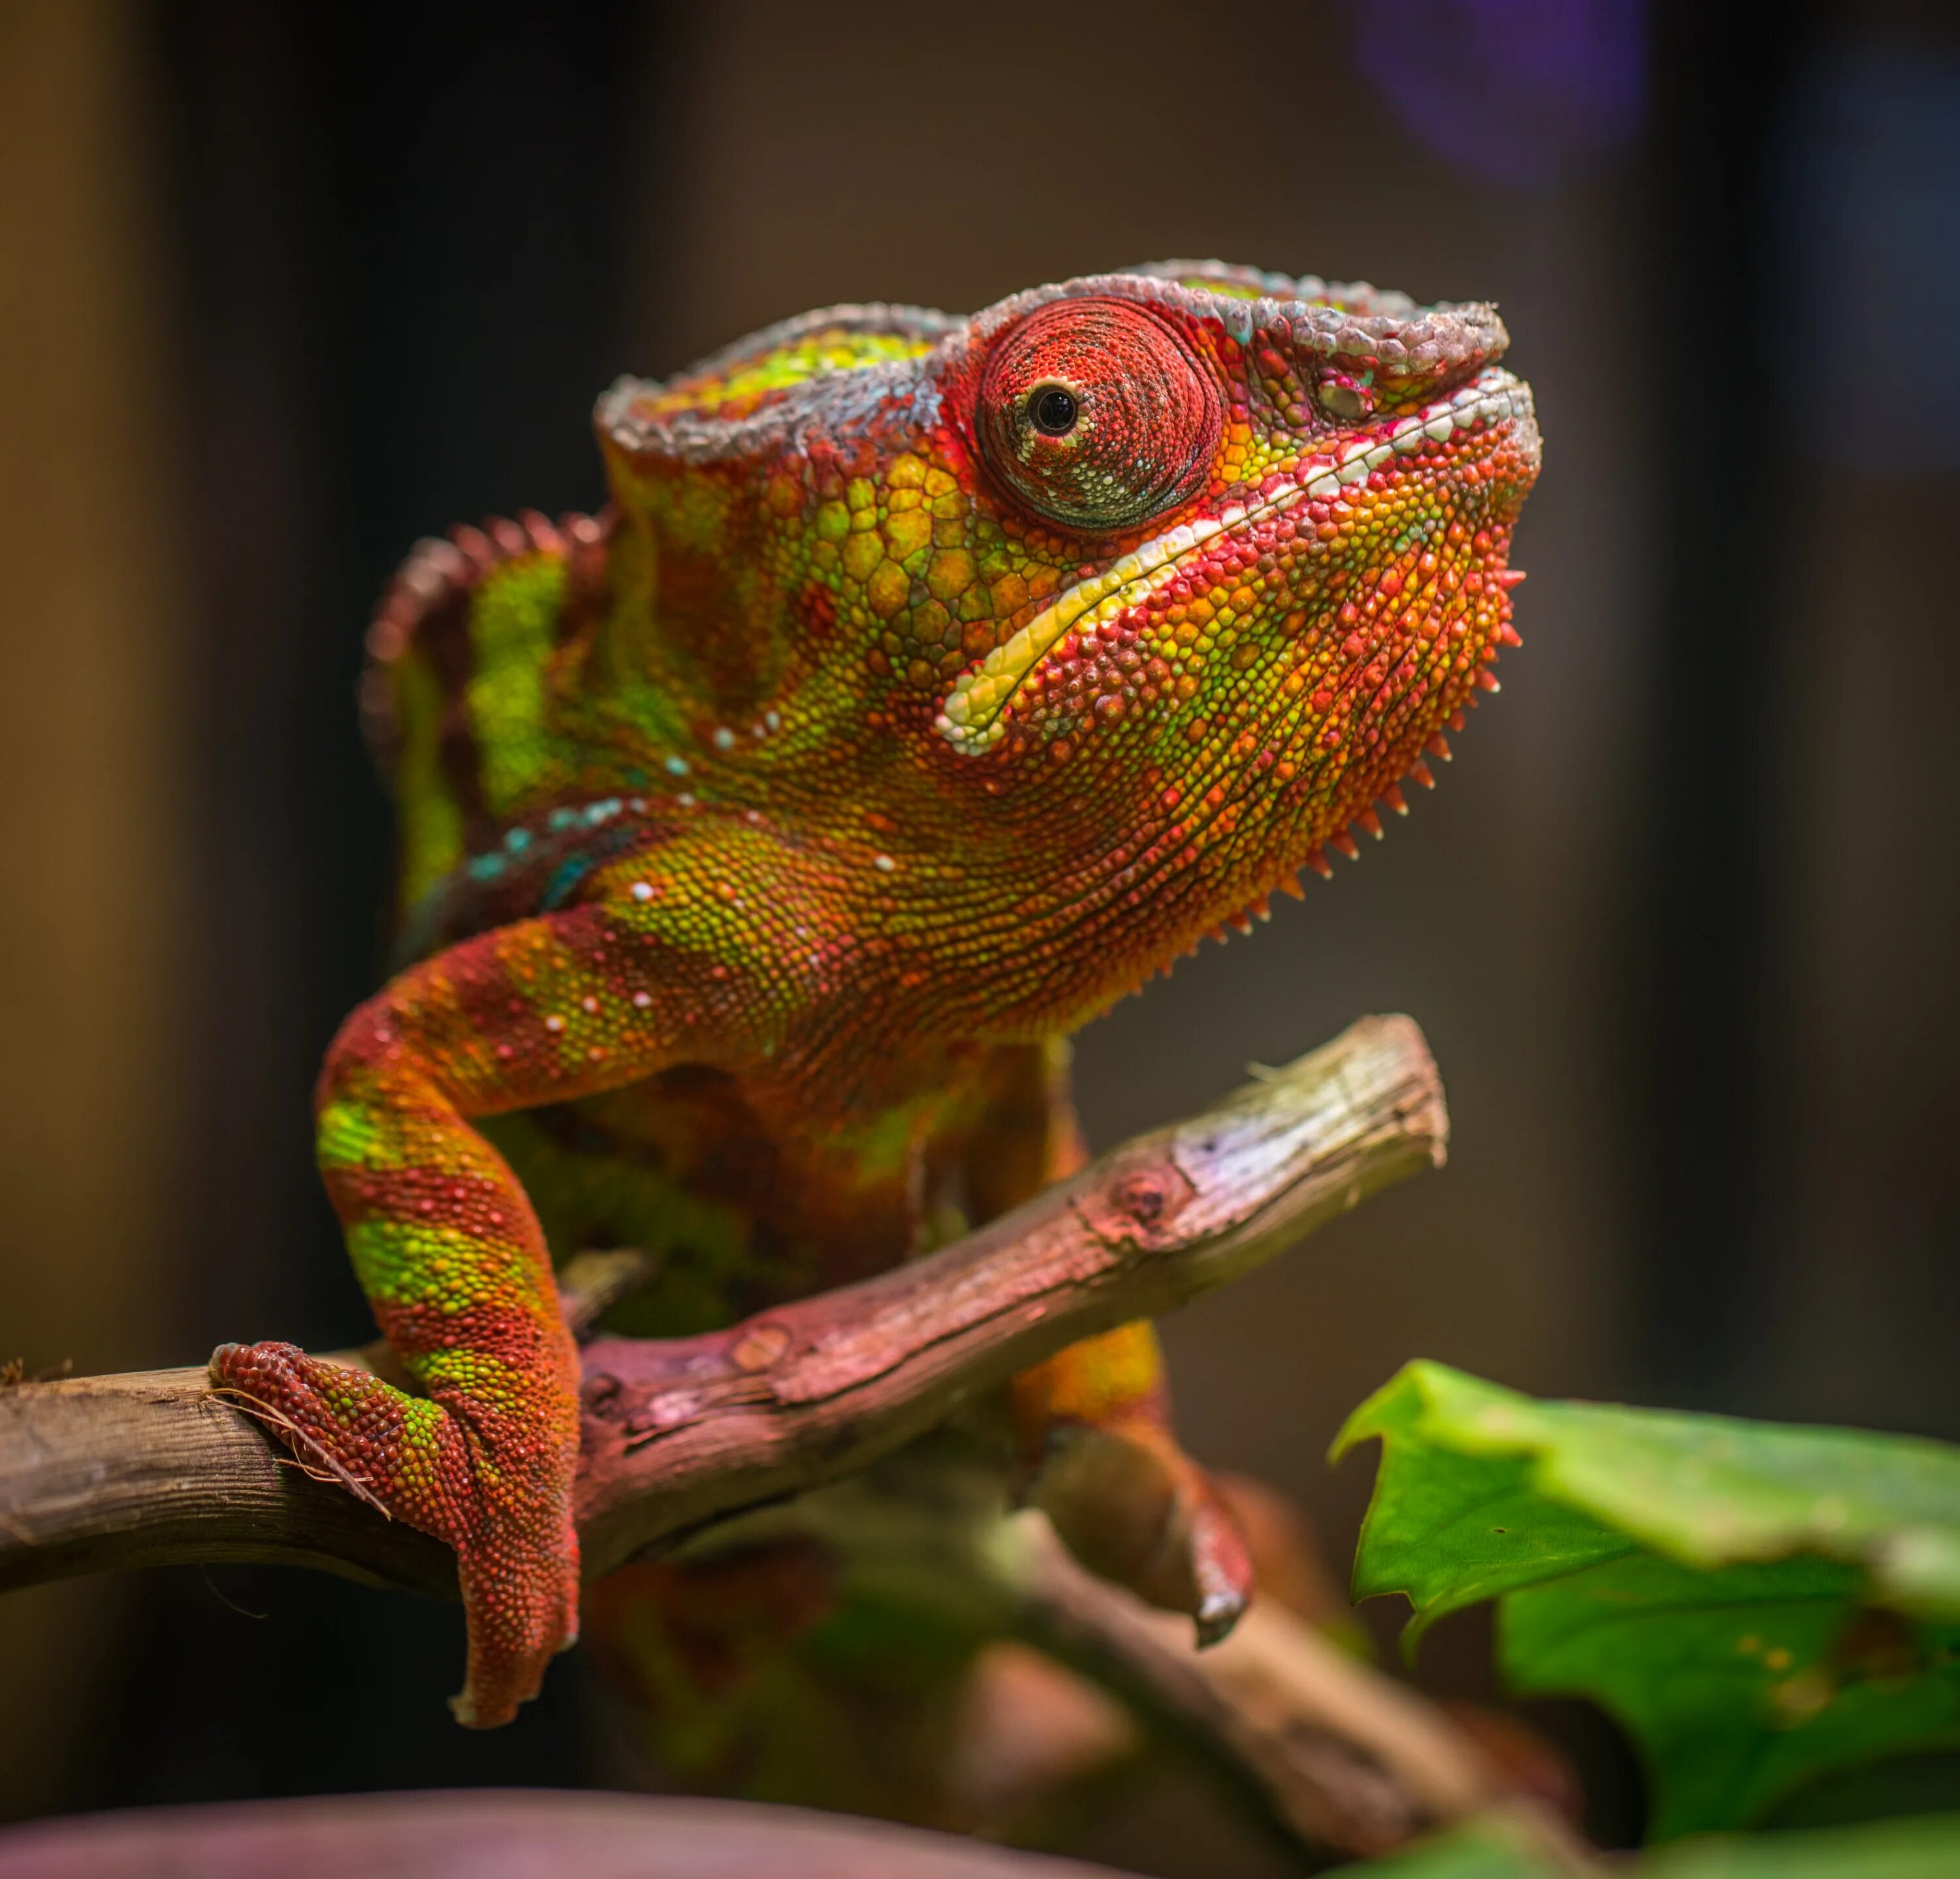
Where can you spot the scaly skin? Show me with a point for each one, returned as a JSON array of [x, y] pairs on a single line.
[[931, 683]]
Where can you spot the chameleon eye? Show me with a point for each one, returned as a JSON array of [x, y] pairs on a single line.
[[1094, 415]]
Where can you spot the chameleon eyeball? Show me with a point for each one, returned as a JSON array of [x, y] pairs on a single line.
[[1094, 415]]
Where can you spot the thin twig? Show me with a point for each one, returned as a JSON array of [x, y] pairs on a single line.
[[1340, 1755]]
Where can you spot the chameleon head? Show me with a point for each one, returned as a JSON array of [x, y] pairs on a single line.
[[1141, 589]]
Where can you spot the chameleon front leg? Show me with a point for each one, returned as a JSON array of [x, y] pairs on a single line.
[[1094, 1421], [451, 1254]]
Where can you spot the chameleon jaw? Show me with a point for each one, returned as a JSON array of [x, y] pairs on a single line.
[[972, 719]]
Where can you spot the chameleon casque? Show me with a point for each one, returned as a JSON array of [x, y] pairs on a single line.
[[929, 683]]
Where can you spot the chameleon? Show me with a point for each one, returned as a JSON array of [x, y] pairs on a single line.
[[927, 684]]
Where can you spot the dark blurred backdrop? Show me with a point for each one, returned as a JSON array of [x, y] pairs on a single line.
[[283, 288]]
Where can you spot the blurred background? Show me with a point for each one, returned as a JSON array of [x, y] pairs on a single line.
[[283, 288]]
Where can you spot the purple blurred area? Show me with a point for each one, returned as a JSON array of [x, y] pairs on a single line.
[[282, 288], [1528, 93]]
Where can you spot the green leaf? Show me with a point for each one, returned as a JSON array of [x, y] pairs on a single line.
[[1757, 1604], [1927, 1848], [1739, 1682], [1481, 1849]]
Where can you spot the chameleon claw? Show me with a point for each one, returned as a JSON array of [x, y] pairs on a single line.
[[1217, 1619]]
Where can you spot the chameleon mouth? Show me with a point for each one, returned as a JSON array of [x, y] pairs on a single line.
[[973, 716]]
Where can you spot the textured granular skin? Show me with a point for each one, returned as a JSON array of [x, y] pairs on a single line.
[[929, 684]]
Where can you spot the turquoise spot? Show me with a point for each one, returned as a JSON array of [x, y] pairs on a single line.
[[566, 877]]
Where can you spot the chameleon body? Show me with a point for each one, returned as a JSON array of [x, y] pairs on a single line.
[[929, 684]]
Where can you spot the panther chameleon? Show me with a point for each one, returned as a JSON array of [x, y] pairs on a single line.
[[928, 684]]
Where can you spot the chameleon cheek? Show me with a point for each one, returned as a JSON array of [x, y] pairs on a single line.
[[1094, 415]]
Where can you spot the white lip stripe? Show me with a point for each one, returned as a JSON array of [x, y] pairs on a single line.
[[970, 719]]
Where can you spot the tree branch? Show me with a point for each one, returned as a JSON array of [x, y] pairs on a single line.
[[150, 1468]]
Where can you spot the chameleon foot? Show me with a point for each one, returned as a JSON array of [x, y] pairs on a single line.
[[505, 1504], [1133, 1507]]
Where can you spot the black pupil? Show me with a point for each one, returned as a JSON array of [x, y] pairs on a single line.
[[1053, 411]]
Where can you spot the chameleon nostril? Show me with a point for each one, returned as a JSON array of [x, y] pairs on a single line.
[[1342, 398]]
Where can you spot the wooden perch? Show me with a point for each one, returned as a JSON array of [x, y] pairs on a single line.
[[150, 1468]]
